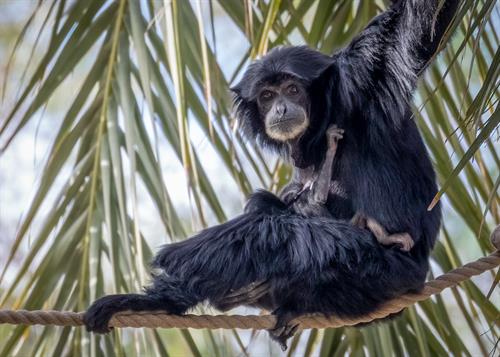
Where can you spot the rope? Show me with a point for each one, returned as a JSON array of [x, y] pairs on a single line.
[[164, 320]]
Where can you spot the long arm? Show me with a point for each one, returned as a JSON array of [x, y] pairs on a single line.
[[398, 45]]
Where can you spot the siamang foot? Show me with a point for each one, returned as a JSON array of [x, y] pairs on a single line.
[[291, 192], [308, 186], [247, 295], [282, 334], [98, 315], [403, 240], [359, 220], [284, 329]]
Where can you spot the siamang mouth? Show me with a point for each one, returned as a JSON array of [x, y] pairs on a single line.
[[288, 128], [283, 120]]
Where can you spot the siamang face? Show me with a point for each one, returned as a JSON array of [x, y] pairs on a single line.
[[284, 109], [273, 100]]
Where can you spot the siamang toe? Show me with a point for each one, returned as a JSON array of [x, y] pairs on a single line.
[[284, 328]]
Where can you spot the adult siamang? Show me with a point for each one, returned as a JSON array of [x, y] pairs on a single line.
[[341, 245]]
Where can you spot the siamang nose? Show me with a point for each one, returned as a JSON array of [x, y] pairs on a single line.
[[280, 109]]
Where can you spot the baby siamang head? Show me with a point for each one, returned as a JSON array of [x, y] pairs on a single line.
[[273, 101]]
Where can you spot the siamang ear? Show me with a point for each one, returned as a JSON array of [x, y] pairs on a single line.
[[242, 89], [236, 89]]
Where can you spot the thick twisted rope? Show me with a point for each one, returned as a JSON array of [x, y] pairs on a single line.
[[164, 320]]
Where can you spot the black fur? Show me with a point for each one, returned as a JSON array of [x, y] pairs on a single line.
[[320, 264]]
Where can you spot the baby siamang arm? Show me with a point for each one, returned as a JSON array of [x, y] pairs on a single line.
[[321, 188]]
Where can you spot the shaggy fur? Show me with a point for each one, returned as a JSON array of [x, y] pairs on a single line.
[[320, 264]]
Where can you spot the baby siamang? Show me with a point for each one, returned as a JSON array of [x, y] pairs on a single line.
[[310, 188], [274, 256]]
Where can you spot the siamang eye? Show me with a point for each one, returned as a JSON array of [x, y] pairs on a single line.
[[266, 95], [292, 89]]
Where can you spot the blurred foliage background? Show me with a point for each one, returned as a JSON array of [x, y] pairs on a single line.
[[116, 136]]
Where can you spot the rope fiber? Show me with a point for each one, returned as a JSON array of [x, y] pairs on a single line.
[[164, 320]]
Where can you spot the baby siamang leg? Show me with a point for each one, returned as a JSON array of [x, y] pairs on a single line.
[[359, 220], [404, 240], [321, 187]]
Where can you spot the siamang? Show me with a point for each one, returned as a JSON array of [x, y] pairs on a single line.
[[311, 187], [279, 256]]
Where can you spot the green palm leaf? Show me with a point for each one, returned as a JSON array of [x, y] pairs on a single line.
[[146, 120]]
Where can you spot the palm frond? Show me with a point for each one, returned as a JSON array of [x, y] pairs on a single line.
[[147, 123]]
